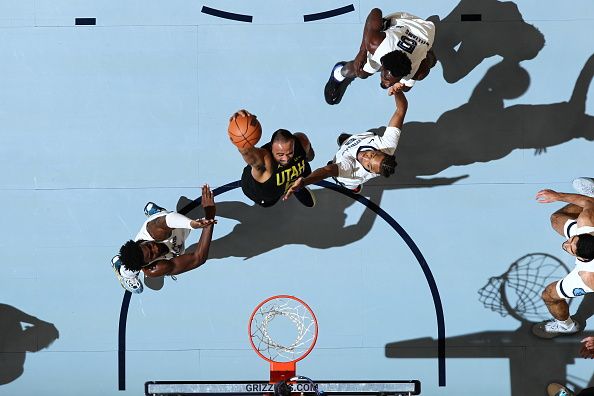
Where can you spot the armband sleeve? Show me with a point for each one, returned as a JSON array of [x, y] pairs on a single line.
[[176, 220]]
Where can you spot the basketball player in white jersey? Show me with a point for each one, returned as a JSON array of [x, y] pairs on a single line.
[[576, 223], [361, 157], [398, 45], [159, 247]]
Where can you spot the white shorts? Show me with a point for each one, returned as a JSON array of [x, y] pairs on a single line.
[[573, 285], [570, 228]]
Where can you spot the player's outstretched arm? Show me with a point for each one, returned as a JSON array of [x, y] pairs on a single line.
[[330, 170], [161, 227], [580, 208], [253, 156], [397, 118], [189, 261], [547, 196]]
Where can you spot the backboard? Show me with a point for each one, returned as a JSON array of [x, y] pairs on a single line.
[[389, 387]]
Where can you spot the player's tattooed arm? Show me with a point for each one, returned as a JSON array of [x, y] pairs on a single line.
[[254, 157]]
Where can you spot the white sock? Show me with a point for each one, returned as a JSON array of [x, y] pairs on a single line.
[[338, 75], [566, 324]]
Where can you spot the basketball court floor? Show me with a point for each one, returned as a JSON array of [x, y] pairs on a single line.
[[99, 119]]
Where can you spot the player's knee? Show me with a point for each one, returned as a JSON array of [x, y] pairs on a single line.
[[554, 219], [549, 294]]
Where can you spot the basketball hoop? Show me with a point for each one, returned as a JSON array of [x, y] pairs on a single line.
[[283, 330]]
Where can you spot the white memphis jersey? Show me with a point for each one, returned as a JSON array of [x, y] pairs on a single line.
[[175, 243], [409, 34], [350, 171]]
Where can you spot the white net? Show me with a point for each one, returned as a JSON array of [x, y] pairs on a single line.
[[283, 329], [517, 291]]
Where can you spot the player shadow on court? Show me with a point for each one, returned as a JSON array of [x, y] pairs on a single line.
[[481, 130], [533, 362], [261, 230], [484, 129], [460, 46], [21, 333]]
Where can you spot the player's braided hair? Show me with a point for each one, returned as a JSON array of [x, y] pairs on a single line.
[[388, 165], [397, 63], [131, 255], [585, 246]]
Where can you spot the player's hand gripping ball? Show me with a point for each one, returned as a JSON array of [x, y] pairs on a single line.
[[244, 130]]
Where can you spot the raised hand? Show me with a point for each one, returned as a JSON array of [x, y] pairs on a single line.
[[547, 196], [240, 113], [396, 88], [587, 349], [208, 203], [297, 185]]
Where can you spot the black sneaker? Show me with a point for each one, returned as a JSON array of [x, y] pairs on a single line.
[[334, 90], [306, 197], [342, 137]]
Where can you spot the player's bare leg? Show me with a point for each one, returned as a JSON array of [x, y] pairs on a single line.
[[562, 323]]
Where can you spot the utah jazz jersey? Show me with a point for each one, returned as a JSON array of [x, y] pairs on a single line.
[[282, 178]]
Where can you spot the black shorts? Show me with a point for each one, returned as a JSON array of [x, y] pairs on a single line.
[[253, 189]]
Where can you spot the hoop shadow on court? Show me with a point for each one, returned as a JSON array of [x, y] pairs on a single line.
[[533, 362], [21, 333]]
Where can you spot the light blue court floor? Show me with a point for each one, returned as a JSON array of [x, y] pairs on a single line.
[[97, 120]]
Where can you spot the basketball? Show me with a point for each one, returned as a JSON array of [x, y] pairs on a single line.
[[244, 132]]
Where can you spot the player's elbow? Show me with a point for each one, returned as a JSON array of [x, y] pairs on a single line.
[[199, 260], [556, 219], [375, 13]]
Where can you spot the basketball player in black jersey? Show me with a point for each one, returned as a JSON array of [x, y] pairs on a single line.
[[272, 168]]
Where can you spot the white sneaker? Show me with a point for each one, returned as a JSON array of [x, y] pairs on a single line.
[[130, 283], [584, 186], [552, 328]]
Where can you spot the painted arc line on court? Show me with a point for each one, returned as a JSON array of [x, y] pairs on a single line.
[[441, 363], [328, 14], [226, 15]]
